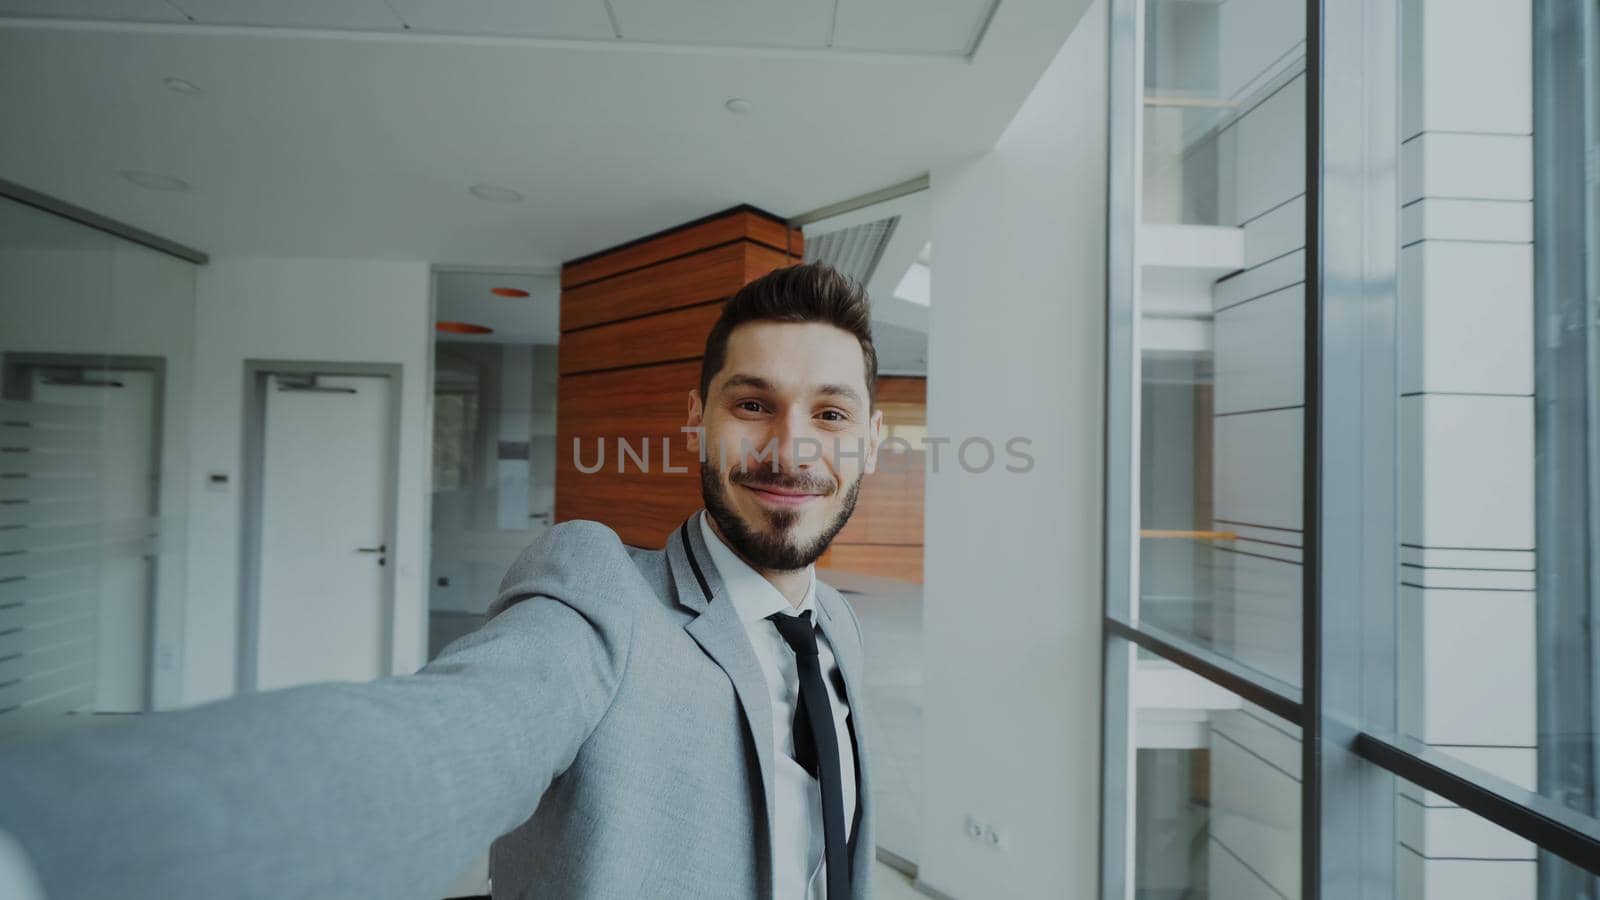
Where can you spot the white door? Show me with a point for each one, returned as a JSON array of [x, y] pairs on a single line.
[[128, 472], [324, 525]]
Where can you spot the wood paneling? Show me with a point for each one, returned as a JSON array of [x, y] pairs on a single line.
[[713, 274], [735, 225], [634, 323], [882, 560], [653, 399], [642, 508], [666, 337], [900, 389], [887, 525]]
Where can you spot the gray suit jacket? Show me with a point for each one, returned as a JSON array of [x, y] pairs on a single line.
[[608, 730]]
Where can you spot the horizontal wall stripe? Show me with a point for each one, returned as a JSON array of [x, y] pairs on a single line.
[[1427, 131], [1264, 761], [1272, 209], [1440, 240], [1483, 859], [1247, 867], [1264, 409]]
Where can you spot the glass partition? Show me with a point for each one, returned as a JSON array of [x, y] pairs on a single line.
[[94, 388]]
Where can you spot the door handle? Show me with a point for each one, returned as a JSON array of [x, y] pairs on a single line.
[[381, 548]]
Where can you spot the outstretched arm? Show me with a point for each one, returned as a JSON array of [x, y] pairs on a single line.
[[387, 789]]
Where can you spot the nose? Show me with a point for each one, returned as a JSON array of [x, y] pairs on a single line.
[[797, 449]]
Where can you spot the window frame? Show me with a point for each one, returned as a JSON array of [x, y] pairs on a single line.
[[1352, 753]]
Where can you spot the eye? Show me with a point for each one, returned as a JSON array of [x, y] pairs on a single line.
[[749, 406], [834, 415]]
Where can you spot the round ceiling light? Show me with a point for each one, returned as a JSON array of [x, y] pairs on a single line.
[[178, 85], [739, 106], [514, 293], [462, 328], [495, 194], [154, 180]]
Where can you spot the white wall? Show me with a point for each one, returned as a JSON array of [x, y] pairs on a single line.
[[1012, 605], [370, 311]]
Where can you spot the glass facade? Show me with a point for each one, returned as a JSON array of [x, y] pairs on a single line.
[[1352, 355], [1220, 297]]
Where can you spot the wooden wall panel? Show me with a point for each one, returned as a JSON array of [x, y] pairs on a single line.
[[665, 337], [724, 228], [884, 537], [883, 560], [684, 281], [634, 322]]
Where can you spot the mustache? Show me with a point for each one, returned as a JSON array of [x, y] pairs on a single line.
[[783, 481]]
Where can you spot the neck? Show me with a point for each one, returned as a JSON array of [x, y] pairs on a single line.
[[791, 583]]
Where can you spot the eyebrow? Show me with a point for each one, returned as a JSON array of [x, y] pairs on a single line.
[[756, 382]]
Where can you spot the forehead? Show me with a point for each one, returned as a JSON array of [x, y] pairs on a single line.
[[795, 356]]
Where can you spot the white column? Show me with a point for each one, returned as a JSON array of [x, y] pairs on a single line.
[[1466, 619], [1012, 604]]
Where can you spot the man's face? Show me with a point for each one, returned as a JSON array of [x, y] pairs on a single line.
[[788, 432]]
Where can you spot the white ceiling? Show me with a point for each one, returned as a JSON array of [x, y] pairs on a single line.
[[336, 133], [465, 297]]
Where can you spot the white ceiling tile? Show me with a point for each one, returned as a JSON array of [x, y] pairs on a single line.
[[909, 26], [744, 23], [108, 10], [363, 15], [537, 18]]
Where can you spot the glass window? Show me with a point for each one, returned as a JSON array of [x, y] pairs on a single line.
[[1217, 799], [1222, 269]]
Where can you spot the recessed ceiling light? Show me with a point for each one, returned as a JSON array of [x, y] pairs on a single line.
[[180, 86], [154, 180], [495, 194], [462, 328], [739, 106], [515, 293]]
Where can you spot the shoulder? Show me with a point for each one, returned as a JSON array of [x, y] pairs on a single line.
[[839, 606], [576, 562]]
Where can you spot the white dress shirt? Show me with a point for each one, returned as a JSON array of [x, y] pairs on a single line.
[[797, 835]]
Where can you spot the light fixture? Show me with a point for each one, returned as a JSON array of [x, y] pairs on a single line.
[[495, 194], [739, 106], [154, 180], [462, 328], [514, 293], [178, 85]]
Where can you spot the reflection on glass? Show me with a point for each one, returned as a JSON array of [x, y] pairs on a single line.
[[1217, 799], [96, 338], [1221, 313]]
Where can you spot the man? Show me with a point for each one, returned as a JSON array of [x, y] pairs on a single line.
[[683, 722]]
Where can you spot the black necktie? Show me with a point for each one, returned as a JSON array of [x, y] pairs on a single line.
[[816, 742]]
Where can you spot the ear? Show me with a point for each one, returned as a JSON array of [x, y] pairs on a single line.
[[696, 420], [874, 439]]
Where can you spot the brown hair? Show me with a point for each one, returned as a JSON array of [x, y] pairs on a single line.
[[813, 292]]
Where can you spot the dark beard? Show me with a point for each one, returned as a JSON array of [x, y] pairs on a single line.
[[769, 551]]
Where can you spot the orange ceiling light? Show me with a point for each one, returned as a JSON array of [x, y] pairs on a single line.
[[462, 328], [514, 293]]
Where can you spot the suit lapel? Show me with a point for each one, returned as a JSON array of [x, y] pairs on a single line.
[[716, 627], [841, 638]]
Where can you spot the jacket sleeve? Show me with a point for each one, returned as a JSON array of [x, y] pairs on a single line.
[[385, 789]]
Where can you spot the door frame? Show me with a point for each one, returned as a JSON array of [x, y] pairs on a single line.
[[159, 607], [256, 372]]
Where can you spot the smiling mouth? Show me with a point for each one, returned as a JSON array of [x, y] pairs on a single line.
[[778, 497]]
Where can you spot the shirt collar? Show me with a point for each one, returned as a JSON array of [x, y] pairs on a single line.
[[753, 595]]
